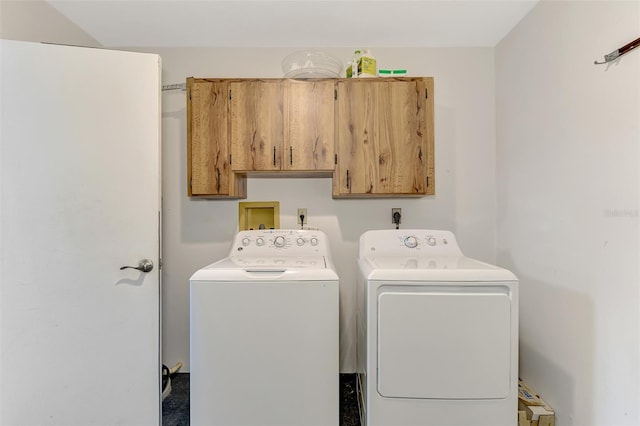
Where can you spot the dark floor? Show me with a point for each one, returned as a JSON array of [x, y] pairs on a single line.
[[175, 407]]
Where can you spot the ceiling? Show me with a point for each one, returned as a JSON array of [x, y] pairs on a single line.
[[295, 23]]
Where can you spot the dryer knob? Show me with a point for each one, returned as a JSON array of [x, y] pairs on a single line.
[[260, 241], [314, 241], [279, 241], [300, 241], [246, 241], [431, 241], [411, 242]]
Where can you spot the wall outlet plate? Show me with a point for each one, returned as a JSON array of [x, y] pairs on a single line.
[[302, 212], [393, 212]]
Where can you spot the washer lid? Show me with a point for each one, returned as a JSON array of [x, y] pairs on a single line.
[[276, 262], [238, 268], [442, 268]]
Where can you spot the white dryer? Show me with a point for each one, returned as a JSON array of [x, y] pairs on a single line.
[[264, 333], [437, 333]]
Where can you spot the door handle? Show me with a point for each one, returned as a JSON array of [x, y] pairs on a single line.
[[145, 265]]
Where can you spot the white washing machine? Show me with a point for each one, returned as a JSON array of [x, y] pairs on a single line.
[[437, 333], [264, 333]]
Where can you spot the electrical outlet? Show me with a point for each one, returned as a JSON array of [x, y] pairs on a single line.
[[300, 213], [393, 212]]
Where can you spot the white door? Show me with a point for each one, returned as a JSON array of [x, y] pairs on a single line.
[[80, 197]]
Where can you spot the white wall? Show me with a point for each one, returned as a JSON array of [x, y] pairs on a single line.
[[197, 232], [36, 20], [568, 191]]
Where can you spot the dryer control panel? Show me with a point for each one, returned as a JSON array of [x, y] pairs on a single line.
[[400, 242], [292, 242]]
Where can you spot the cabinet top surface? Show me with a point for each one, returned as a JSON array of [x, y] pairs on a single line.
[[309, 80]]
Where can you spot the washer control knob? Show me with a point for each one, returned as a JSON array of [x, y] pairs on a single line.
[[314, 241], [260, 241], [246, 241], [431, 241], [279, 241], [411, 242], [300, 241]]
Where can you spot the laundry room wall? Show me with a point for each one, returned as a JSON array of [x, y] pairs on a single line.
[[568, 191], [37, 21], [197, 232]]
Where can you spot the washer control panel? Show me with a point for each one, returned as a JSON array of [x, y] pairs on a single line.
[[290, 242], [399, 242]]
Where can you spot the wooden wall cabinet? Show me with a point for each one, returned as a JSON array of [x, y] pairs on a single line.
[[375, 136], [209, 171], [384, 138], [282, 125]]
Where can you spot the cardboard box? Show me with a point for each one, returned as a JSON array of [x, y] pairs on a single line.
[[533, 410], [522, 419]]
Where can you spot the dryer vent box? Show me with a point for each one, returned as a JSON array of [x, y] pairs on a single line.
[[258, 215]]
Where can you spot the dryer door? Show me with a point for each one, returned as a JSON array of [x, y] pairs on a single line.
[[444, 341]]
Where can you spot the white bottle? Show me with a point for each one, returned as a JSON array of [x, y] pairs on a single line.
[[367, 65], [348, 69], [354, 64]]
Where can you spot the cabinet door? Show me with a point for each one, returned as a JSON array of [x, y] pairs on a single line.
[[385, 137], [309, 129], [256, 125], [209, 172]]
